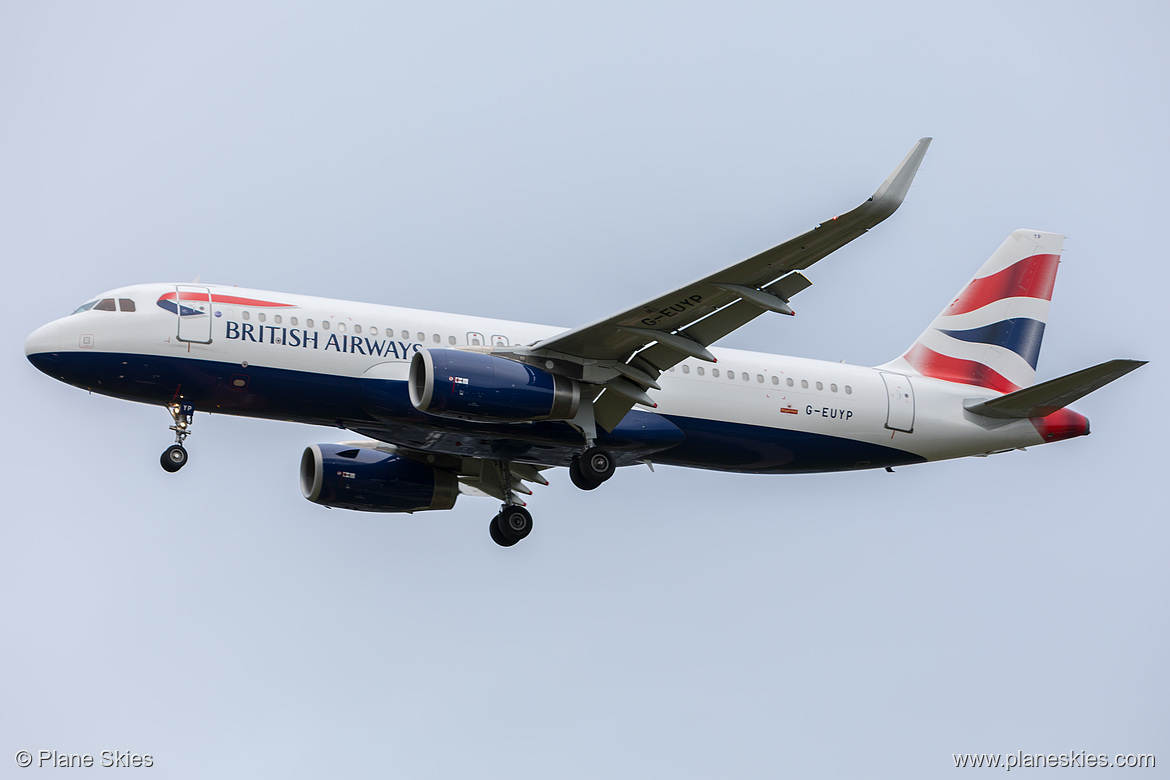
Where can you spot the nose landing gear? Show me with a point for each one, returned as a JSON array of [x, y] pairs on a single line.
[[174, 457]]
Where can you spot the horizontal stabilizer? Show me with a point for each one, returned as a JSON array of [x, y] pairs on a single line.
[[1047, 397]]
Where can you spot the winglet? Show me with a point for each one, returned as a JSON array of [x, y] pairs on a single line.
[[893, 190]]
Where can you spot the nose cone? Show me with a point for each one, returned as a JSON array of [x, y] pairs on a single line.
[[1062, 424], [42, 343]]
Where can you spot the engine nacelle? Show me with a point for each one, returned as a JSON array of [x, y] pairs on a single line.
[[475, 386], [373, 481]]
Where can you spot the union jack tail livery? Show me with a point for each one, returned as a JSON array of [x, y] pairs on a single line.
[[990, 334]]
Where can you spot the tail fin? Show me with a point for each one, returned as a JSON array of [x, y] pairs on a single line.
[[990, 334]]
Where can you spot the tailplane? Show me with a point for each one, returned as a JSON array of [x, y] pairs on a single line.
[[990, 334], [1049, 397]]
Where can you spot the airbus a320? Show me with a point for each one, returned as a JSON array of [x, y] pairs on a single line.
[[444, 404]]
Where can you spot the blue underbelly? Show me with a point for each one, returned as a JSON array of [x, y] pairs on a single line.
[[381, 409]]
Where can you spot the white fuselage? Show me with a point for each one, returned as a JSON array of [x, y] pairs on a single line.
[[140, 355]]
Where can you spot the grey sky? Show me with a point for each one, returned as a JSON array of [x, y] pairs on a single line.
[[556, 165]]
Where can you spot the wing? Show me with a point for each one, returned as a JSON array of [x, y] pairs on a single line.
[[624, 354]]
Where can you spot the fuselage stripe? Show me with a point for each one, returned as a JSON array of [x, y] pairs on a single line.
[[230, 300]]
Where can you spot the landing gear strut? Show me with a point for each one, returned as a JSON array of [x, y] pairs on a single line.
[[512, 524], [174, 457], [592, 467]]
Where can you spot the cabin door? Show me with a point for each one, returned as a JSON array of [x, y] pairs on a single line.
[[900, 395], [193, 306]]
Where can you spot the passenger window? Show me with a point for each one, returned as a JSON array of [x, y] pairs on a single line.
[[325, 324], [105, 304], [341, 327], [804, 384], [406, 334], [715, 373], [747, 377], [421, 337], [373, 330], [437, 339], [292, 321], [125, 304], [451, 340], [686, 369], [848, 390], [357, 328], [731, 375], [833, 387], [246, 315], [820, 386], [308, 323], [775, 379], [760, 378], [699, 370], [262, 317]]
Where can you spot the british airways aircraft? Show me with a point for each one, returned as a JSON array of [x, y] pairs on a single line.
[[448, 404]]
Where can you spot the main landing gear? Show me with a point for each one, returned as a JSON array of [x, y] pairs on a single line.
[[512, 524], [592, 467], [174, 457]]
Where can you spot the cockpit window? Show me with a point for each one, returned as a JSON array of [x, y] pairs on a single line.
[[85, 307], [125, 304], [105, 304]]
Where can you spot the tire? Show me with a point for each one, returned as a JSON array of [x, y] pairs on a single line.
[[496, 537], [578, 478], [512, 524], [596, 465], [173, 458]]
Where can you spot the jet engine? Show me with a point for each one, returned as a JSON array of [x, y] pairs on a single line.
[[346, 477], [486, 388]]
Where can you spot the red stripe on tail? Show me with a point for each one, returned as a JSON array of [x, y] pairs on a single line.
[[1032, 277], [968, 372]]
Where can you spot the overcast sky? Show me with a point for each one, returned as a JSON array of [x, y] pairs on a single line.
[[538, 163]]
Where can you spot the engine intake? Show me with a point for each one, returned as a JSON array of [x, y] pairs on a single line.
[[475, 386], [373, 481]]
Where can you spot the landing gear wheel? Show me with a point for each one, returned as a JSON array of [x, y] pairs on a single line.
[[173, 458], [578, 478], [495, 532], [512, 524], [596, 465]]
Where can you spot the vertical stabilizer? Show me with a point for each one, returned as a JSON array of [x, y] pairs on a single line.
[[990, 334]]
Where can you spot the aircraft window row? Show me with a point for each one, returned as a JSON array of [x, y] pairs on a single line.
[[474, 339], [821, 386], [107, 304], [747, 377]]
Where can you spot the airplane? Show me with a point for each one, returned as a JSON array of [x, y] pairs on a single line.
[[447, 404]]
